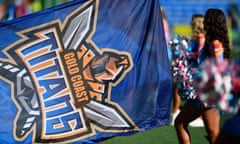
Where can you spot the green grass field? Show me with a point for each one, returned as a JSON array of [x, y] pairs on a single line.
[[162, 135]]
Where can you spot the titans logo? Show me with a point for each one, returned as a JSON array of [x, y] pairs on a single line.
[[61, 82]]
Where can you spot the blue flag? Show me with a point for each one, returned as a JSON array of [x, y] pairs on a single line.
[[83, 72]]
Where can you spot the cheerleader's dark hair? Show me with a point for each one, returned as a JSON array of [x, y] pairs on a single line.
[[215, 26]]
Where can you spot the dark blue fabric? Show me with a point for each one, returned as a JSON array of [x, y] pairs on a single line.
[[232, 126], [135, 26]]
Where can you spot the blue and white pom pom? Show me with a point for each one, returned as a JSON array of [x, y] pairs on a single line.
[[181, 71], [218, 85]]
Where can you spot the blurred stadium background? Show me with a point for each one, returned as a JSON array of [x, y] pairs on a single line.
[[179, 13]]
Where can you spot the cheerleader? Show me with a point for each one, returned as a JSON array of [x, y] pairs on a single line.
[[216, 46]]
